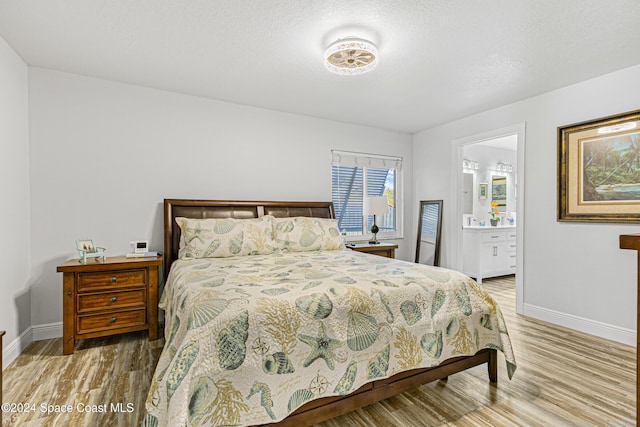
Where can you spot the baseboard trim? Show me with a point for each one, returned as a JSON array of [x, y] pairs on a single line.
[[17, 346], [47, 331], [31, 334], [588, 326]]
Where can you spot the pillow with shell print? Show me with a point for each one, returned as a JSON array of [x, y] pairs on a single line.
[[301, 234], [226, 237]]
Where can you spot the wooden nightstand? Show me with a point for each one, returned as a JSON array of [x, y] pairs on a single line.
[[109, 297], [383, 249]]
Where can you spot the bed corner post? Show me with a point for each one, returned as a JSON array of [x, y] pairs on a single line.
[[168, 236], [492, 365]]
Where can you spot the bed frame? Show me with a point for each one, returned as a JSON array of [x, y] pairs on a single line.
[[327, 407], [632, 241]]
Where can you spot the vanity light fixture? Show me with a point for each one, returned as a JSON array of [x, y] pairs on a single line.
[[504, 167], [351, 56], [470, 164]]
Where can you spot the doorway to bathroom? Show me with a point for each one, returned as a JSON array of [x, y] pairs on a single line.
[[488, 189]]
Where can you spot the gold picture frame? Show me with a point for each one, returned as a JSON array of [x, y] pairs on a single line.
[[599, 170], [483, 190], [499, 191]]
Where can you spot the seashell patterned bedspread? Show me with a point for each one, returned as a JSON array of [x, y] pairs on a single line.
[[250, 339]]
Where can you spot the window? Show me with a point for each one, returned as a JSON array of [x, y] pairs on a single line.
[[355, 176]]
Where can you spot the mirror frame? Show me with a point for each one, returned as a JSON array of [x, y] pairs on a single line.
[[436, 255], [502, 204], [468, 193]]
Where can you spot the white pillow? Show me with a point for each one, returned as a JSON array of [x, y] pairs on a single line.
[[301, 234], [225, 237]]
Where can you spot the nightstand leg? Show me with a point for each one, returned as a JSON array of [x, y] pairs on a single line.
[[68, 314], [152, 304]]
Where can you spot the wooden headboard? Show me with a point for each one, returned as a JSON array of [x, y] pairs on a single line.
[[229, 209]]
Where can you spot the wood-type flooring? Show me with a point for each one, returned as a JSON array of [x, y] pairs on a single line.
[[564, 378]]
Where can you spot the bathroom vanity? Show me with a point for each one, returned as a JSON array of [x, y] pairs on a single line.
[[489, 251]]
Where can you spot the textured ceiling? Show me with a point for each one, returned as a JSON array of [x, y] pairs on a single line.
[[440, 60]]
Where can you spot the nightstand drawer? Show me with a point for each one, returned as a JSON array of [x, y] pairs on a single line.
[[93, 281], [113, 320], [105, 300]]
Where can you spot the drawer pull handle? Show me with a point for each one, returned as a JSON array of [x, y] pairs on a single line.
[[113, 279], [112, 320], [113, 299]]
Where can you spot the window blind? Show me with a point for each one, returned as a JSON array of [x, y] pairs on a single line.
[[358, 175]]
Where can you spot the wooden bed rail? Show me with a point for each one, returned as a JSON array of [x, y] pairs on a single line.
[[329, 407], [632, 241]]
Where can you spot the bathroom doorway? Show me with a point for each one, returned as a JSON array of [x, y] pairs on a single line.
[[488, 188]]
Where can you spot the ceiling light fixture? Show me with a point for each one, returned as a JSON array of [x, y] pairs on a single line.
[[351, 56]]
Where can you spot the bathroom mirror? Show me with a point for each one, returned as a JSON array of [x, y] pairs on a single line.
[[499, 191], [429, 228]]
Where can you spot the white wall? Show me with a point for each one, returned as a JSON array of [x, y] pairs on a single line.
[[15, 310], [574, 273], [104, 155]]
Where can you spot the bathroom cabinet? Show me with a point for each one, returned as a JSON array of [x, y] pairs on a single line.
[[489, 251]]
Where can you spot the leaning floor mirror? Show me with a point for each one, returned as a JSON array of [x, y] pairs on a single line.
[[429, 227]]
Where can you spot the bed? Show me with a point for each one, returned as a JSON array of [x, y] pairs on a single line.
[[280, 324]]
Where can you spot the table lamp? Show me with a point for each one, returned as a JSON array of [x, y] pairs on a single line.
[[376, 206]]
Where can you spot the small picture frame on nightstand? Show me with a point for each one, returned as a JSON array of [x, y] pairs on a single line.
[[87, 249], [86, 245]]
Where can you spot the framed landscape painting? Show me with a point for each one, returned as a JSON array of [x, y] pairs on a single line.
[[599, 170]]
